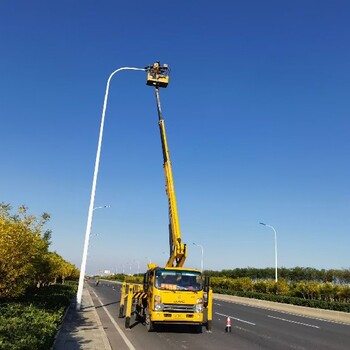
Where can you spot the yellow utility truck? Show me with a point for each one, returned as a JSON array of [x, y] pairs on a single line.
[[172, 294]]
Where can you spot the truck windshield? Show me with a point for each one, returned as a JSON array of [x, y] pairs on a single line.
[[178, 280]]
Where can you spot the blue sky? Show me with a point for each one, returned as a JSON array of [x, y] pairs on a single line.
[[257, 117]]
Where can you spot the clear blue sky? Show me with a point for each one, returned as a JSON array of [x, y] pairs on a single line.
[[257, 116]]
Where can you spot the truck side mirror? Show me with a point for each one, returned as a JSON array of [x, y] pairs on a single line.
[[206, 283]]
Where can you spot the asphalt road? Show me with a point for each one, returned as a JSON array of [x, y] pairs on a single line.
[[252, 328]]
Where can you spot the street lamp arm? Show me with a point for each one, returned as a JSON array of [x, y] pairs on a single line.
[[101, 207], [93, 189], [202, 257], [275, 233]]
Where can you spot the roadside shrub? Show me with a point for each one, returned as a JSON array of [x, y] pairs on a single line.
[[281, 287], [261, 287], [327, 291], [31, 322], [344, 294], [27, 327], [243, 284]]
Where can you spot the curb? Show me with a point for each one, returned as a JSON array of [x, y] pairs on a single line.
[[72, 303]]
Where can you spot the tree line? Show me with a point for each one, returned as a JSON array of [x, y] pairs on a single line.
[[25, 259], [295, 274]]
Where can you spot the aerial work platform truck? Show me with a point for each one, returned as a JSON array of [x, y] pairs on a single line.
[[172, 294]]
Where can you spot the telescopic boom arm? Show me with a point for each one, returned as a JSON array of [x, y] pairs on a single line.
[[158, 76]]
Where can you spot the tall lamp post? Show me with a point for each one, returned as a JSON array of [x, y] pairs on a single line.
[[200, 246], [93, 189], [261, 223], [138, 266]]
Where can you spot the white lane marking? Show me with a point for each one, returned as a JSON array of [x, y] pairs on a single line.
[[237, 319], [115, 324], [290, 321], [217, 304]]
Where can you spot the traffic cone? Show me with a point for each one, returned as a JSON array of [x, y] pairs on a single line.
[[228, 325]]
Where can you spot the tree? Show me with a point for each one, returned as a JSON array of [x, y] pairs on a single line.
[[18, 250], [25, 259]]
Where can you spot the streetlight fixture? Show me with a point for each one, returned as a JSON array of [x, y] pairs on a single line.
[[93, 189], [200, 246], [101, 207], [262, 223]]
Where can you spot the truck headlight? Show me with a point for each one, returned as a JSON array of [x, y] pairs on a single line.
[[199, 305], [158, 306]]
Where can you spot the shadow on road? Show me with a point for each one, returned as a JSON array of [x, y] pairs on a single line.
[[115, 302]]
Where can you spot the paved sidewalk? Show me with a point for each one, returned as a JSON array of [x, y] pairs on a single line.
[[82, 329]]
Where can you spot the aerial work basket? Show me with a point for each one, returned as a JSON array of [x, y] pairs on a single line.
[[158, 75]]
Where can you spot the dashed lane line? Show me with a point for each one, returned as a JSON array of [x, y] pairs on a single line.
[[296, 322], [237, 319]]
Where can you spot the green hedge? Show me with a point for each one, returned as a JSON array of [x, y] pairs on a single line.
[[32, 321]]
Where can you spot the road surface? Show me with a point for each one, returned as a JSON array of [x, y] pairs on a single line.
[[252, 328]]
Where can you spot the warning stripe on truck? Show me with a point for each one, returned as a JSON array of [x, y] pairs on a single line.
[[140, 295]]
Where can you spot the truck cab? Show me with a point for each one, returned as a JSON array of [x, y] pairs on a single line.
[[175, 296]]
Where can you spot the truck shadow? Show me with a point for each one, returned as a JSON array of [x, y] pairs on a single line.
[[171, 328], [178, 328]]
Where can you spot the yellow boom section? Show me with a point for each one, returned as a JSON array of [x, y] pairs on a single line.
[[158, 76], [178, 251]]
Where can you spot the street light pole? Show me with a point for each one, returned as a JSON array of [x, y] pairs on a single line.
[[261, 223], [200, 246], [93, 189], [138, 266]]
